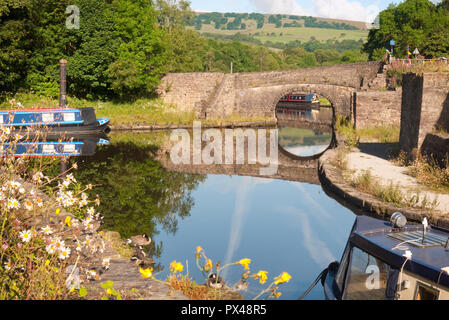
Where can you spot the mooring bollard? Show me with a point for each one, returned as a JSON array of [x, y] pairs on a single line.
[[63, 84]]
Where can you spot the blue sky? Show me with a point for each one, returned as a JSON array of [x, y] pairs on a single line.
[[357, 10]]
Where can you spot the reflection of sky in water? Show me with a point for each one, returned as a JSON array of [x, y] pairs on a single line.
[[306, 151], [280, 225]]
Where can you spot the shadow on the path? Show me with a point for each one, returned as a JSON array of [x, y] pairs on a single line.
[[385, 151]]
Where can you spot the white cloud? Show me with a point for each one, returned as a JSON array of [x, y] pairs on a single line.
[[279, 6], [346, 9]]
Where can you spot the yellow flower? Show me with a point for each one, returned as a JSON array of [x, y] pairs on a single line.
[[68, 221], [176, 267], [147, 273], [208, 266], [198, 251], [58, 211], [47, 262], [277, 294], [284, 277], [261, 275], [245, 263]]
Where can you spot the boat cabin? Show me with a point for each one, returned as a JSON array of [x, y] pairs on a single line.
[[300, 97], [385, 262]]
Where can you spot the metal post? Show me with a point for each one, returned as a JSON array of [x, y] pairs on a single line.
[[63, 84]]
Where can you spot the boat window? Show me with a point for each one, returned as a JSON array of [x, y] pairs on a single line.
[[424, 292], [340, 278], [367, 277]]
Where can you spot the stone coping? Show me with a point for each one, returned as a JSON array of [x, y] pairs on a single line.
[[332, 180], [218, 124]]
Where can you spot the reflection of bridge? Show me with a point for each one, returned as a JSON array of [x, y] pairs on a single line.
[[287, 168]]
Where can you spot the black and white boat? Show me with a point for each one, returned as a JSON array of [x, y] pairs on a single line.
[[391, 261]]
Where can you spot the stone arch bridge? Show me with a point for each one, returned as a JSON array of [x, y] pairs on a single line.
[[255, 94]]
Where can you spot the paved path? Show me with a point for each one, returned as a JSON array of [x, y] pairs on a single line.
[[374, 157]]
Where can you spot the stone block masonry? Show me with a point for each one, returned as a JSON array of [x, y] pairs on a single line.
[[425, 108], [378, 108], [191, 92]]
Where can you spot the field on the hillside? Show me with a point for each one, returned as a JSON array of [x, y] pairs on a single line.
[[269, 31]]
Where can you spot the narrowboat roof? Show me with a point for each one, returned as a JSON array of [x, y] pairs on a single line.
[[38, 110], [380, 239]]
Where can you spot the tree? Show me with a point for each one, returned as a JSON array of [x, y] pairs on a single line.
[[96, 49], [32, 41], [411, 22], [140, 56], [172, 13]]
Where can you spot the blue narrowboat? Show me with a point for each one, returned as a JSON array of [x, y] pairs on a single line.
[[391, 260], [61, 120]]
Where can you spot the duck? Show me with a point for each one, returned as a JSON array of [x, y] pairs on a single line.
[[141, 259], [214, 283], [140, 240]]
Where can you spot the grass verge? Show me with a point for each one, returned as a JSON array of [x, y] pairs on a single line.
[[392, 193], [139, 112]]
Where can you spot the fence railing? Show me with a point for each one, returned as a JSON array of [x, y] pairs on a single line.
[[418, 61]]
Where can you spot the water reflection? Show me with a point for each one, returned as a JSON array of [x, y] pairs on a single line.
[[138, 195], [281, 225], [304, 142], [305, 129]]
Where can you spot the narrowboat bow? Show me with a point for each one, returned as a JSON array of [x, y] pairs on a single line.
[[391, 261], [56, 120]]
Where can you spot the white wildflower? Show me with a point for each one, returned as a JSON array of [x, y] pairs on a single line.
[[25, 235]]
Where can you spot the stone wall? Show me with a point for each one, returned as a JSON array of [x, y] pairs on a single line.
[[436, 145], [190, 91], [377, 108], [425, 108]]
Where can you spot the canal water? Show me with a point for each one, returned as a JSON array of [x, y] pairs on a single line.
[[281, 225]]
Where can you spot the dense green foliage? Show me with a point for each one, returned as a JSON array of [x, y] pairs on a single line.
[[117, 51], [415, 23]]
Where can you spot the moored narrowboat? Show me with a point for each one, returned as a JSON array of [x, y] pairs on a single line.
[[300, 97], [60, 120], [391, 261]]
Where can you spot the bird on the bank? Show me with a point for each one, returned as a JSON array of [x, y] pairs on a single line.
[[213, 282], [141, 259], [140, 240]]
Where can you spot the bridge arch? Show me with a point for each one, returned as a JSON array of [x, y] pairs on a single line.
[[340, 97]]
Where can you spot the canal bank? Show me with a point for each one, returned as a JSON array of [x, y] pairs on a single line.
[[334, 178], [206, 125]]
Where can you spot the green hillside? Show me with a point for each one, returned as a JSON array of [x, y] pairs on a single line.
[[278, 29]]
